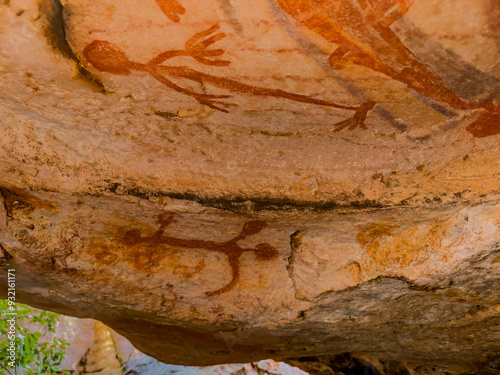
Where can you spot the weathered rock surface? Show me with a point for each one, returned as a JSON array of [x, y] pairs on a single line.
[[96, 349], [343, 199]]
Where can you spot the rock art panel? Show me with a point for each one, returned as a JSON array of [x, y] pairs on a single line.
[[228, 181], [363, 37], [360, 34], [230, 248], [225, 279], [148, 75], [108, 58]]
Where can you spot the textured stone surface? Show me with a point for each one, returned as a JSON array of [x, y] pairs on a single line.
[[97, 349], [347, 201]]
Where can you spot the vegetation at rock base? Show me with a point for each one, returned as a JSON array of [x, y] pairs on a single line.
[[33, 355]]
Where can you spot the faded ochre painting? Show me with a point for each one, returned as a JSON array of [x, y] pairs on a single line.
[[352, 43]]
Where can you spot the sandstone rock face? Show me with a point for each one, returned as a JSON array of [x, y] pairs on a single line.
[[97, 349], [229, 181]]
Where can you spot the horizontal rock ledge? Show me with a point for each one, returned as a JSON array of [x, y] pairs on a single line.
[[194, 285]]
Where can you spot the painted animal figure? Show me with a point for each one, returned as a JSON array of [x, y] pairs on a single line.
[[361, 31], [230, 248], [107, 57]]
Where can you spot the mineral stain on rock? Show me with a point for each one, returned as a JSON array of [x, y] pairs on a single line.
[[15, 198], [389, 249]]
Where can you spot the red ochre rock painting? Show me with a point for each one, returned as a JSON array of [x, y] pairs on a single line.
[[230, 248], [360, 30], [106, 57], [172, 9]]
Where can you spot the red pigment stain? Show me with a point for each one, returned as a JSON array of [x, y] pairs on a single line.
[[486, 125], [230, 248], [107, 57]]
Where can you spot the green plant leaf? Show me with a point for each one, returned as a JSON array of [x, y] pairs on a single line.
[[33, 357]]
